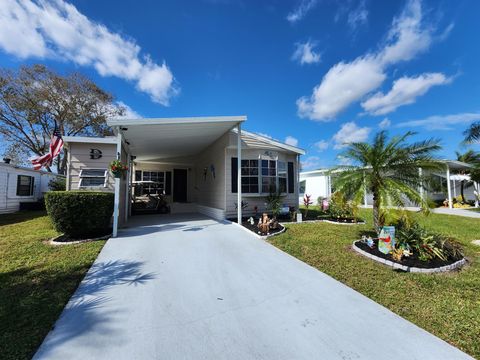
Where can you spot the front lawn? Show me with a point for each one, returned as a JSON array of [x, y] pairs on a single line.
[[447, 305], [36, 280]]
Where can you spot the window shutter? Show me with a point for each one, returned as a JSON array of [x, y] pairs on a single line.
[[168, 183], [291, 178], [234, 174], [32, 186]]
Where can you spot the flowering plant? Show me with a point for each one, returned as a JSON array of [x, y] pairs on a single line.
[[118, 168]]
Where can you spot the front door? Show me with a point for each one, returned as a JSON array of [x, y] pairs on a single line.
[[179, 185]]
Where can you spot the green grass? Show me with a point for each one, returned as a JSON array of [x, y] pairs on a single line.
[[36, 280], [447, 305]]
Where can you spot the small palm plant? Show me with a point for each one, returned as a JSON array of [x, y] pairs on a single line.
[[389, 169]]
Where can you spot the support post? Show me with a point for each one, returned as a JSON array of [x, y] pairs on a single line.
[[420, 176], [476, 187], [127, 187], [365, 198], [449, 189], [116, 203], [239, 173]]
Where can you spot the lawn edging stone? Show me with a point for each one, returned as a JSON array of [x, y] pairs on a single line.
[[412, 269]]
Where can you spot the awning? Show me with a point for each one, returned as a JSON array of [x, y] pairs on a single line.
[[160, 139]]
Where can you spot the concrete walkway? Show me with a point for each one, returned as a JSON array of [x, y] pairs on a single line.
[[457, 212], [194, 288]]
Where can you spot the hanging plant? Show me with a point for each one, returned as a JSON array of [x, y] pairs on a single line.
[[118, 168]]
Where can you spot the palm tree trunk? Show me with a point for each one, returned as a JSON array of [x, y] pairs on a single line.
[[462, 185]]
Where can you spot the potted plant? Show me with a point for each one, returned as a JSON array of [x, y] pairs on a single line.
[[118, 168]]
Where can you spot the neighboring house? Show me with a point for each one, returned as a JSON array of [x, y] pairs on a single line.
[[316, 183], [196, 162], [21, 185], [447, 185]]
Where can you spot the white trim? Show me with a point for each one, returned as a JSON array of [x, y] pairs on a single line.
[[92, 140], [178, 120], [274, 142]]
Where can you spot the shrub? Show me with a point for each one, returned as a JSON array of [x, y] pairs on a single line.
[[427, 244], [274, 203], [80, 214], [339, 207], [57, 184]]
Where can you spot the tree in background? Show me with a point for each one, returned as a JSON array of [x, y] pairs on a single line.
[[389, 169], [472, 134], [33, 98], [472, 158]]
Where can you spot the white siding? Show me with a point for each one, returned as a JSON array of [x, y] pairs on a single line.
[[80, 159], [9, 200], [210, 190], [316, 185], [255, 200]]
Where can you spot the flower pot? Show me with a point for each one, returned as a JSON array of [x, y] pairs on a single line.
[[117, 174]]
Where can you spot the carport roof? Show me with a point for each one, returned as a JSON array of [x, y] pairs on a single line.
[[163, 138]]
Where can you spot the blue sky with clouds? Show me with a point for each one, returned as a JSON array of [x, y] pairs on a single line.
[[314, 73]]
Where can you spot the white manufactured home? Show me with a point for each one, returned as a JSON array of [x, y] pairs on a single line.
[[204, 164], [21, 185], [447, 184]]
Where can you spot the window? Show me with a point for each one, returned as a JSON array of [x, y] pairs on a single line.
[[269, 176], [25, 185], [93, 178], [250, 176], [156, 186], [303, 184]]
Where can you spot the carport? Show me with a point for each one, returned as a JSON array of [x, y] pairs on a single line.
[[166, 139]]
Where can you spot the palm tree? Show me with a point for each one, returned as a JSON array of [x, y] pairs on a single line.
[[472, 158], [472, 134], [389, 169]]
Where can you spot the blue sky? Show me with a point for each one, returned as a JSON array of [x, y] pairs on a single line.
[[314, 73]]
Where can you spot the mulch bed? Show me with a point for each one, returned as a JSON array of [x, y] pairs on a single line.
[[410, 261], [254, 228]]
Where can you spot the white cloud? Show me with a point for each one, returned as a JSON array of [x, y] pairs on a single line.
[[305, 54], [348, 82], [310, 163], [129, 112], [404, 91], [358, 16], [321, 145], [301, 10], [290, 140], [442, 122], [385, 123], [56, 29], [350, 133]]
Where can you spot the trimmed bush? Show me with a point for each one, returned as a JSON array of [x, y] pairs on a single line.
[[80, 214]]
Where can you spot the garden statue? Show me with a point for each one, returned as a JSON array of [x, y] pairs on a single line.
[[264, 224], [251, 221]]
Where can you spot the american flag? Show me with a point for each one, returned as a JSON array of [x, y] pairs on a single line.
[[56, 144]]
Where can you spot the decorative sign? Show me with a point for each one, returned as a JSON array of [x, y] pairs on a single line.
[[212, 170], [386, 239], [95, 154], [270, 154]]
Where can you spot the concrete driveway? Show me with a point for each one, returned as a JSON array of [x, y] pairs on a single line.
[[188, 287]]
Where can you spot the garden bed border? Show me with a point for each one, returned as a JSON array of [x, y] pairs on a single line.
[[405, 268], [261, 237], [53, 241]]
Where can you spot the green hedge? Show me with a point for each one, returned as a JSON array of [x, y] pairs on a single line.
[[80, 214]]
